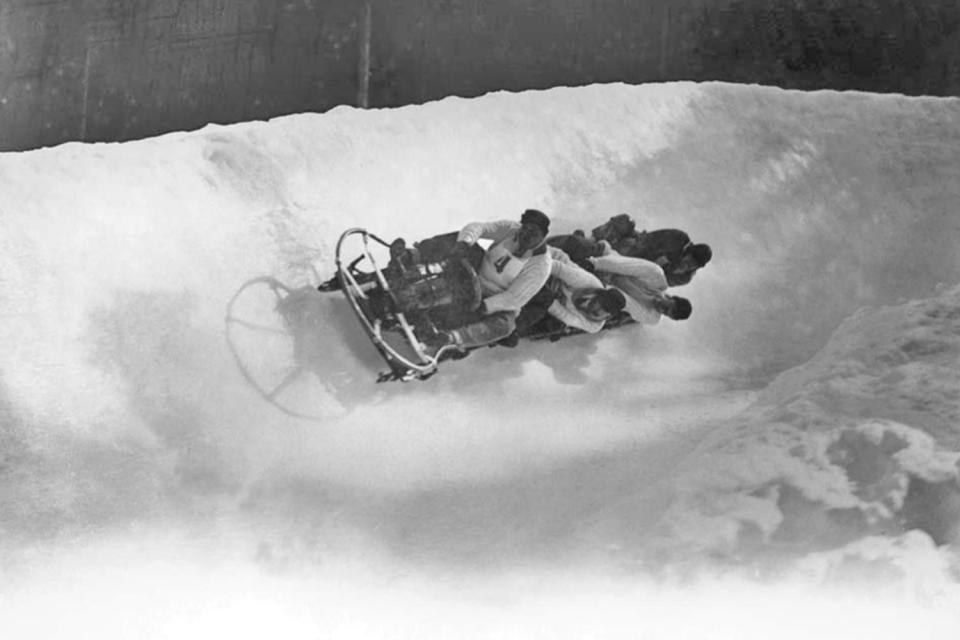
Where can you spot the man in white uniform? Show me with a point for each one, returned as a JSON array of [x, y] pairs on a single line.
[[572, 297], [512, 270], [644, 284], [581, 301]]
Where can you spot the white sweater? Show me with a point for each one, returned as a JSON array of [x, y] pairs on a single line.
[[640, 281], [571, 278], [508, 281]]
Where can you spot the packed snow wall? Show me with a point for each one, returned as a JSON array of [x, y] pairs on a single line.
[[124, 409]]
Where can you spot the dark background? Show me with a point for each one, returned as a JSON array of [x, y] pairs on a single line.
[[108, 70]]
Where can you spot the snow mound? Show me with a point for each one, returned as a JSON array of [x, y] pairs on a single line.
[[846, 460]]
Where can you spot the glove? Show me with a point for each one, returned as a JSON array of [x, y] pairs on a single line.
[[460, 249]]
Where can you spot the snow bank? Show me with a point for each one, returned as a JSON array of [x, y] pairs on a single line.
[[858, 444]]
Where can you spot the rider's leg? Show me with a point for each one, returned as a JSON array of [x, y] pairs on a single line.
[[480, 331], [535, 310], [486, 330]]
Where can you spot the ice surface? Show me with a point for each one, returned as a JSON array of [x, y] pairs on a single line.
[[800, 429]]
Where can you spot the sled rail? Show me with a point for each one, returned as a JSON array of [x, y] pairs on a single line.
[[401, 367]]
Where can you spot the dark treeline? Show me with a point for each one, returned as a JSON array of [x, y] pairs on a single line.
[[903, 46], [103, 70]]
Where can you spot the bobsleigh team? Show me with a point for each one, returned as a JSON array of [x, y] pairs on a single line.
[[535, 284]]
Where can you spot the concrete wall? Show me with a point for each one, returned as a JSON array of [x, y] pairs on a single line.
[[118, 69], [105, 70]]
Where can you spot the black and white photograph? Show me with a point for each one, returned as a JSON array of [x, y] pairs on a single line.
[[480, 319]]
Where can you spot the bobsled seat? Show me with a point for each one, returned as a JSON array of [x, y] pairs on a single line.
[[435, 286], [433, 250], [441, 247]]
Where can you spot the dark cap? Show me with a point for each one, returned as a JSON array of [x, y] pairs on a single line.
[[538, 218], [701, 253], [681, 309]]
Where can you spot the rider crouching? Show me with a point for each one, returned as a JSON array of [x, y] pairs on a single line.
[[510, 272]]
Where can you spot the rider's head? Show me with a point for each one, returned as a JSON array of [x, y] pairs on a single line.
[[701, 253], [674, 307], [615, 228], [600, 304], [534, 226], [692, 259]]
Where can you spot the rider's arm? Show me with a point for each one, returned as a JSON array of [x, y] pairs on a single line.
[[496, 230], [650, 273], [639, 307], [568, 272], [666, 243], [527, 283], [571, 319]]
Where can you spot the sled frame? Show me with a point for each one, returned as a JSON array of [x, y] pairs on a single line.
[[402, 368]]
